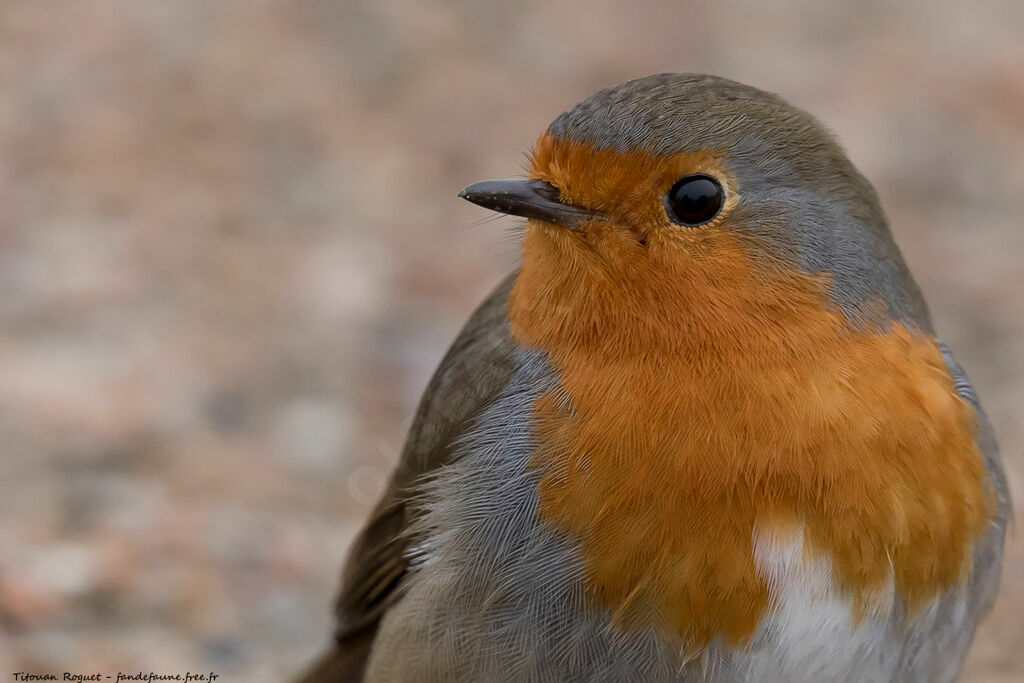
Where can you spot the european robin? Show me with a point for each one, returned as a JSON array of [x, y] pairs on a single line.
[[705, 433]]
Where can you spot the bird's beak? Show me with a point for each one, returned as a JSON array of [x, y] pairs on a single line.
[[529, 198]]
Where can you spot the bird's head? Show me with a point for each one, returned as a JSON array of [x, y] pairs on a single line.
[[684, 205]]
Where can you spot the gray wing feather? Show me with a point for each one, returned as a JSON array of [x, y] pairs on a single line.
[[988, 553], [473, 372]]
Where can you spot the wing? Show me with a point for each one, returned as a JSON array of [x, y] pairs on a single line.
[[477, 366], [988, 553]]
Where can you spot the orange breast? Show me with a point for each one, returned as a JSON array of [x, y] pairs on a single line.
[[700, 400]]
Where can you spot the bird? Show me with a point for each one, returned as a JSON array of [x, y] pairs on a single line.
[[706, 431]]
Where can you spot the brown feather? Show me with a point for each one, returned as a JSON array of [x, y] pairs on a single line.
[[477, 366]]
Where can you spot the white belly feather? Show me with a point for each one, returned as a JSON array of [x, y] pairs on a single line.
[[813, 635]]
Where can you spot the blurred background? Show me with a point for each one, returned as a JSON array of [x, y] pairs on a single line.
[[231, 254]]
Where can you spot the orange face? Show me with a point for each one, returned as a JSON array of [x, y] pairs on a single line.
[[708, 392], [628, 187]]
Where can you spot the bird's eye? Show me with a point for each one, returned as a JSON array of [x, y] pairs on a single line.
[[694, 199]]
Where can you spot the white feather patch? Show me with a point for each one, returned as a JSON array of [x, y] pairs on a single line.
[[812, 634]]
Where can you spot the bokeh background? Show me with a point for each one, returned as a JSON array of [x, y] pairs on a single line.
[[231, 254]]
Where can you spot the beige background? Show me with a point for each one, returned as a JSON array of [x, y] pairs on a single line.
[[231, 254]]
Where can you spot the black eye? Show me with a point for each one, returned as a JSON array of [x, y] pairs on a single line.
[[694, 199]]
